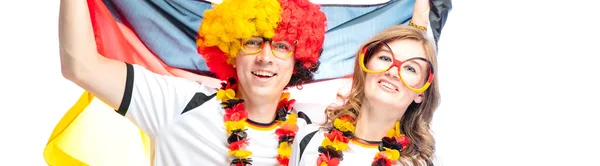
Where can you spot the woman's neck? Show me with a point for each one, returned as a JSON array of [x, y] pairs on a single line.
[[372, 124]]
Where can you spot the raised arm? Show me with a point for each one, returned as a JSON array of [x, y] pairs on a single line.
[[420, 16], [421, 13], [79, 58]]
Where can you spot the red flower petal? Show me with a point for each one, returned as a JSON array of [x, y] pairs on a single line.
[[403, 140], [382, 157], [347, 118], [281, 132], [237, 113], [286, 103], [337, 135], [283, 160], [322, 158], [238, 144], [333, 162]]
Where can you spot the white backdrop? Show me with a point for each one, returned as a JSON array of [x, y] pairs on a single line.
[[517, 79]]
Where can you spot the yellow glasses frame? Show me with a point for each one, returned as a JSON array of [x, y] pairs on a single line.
[[396, 63]]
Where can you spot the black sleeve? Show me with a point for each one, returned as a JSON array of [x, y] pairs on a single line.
[[128, 89], [438, 16]]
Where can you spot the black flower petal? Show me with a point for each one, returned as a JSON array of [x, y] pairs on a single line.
[[231, 103], [231, 81], [390, 142], [286, 138], [332, 152], [236, 136], [244, 161], [281, 114]]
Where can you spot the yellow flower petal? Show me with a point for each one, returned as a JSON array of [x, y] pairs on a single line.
[[234, 125], [394, 132], [339, 145], [397, 127], [326, 142], [230, 93], [392, 154], [390, 133], [240, 153], [220, 94], [285, 95], [284, 149], [343, 125], [292, 119]]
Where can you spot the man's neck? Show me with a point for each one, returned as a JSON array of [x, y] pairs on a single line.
[[373, 124], [261, 110]]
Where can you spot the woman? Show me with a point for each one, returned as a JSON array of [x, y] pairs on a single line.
[[386, 118]]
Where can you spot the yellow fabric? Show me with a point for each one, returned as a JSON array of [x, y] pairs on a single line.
[[92, 133]]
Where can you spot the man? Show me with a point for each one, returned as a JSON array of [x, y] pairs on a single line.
[[259, 47]]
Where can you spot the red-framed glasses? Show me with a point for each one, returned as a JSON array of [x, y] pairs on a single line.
[[415, 73]]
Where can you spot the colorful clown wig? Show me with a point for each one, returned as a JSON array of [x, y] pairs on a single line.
[[291, 20]]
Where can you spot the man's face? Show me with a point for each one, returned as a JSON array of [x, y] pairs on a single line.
[[264, 68]]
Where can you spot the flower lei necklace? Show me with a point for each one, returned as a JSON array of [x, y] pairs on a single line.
[[337, 140], [235, 124]]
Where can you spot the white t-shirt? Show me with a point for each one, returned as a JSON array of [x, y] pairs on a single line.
[[357, 153], [185, 121]]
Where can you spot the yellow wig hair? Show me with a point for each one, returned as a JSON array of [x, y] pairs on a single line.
[[228, 22]]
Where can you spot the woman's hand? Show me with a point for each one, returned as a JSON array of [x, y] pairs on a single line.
[[421, 13]]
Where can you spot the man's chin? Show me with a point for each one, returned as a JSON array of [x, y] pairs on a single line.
[[264, 92]]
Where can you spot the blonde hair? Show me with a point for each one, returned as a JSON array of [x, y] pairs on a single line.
[[416, 120]]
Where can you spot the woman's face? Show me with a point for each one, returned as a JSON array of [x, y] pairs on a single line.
[[387, 88]]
